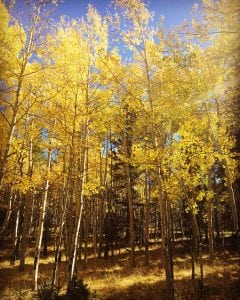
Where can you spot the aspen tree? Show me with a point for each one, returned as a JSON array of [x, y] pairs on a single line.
[[41, 221], [18, 47], [137, 38]]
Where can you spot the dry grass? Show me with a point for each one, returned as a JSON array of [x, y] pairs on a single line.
[[106, 283], [113, 279]]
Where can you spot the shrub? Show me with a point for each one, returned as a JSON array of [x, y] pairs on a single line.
[[77, 290], [47, 292]]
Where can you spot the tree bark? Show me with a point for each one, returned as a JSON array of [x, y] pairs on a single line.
[[15, 108], [146, 218], [130, 206], [15, 238], [41, 223], [86, 225], [72, 258], [232, 200], [25, 230], [59, 241], [210, 219], [11, 199], [94, 232]]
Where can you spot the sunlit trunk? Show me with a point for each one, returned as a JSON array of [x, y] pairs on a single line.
[[25, 228], [15, 238], [73, 254], [41, 223]]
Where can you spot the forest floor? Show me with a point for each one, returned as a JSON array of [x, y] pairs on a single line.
[[112, 279]]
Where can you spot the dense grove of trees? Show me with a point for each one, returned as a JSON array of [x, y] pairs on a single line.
[[102, 151]]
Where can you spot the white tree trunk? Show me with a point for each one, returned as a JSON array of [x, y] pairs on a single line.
[[41, 223]]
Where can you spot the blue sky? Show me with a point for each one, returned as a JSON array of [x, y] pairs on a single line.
[[174, 11]]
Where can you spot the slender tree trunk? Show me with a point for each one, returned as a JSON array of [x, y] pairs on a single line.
[[26, 228], [86, 222], [172, 227], [170, 241], [66, 241], [196, 243], [81, 238], [156, 226], [31, 216], [197, 252], [130, 206], [146, 218], [168, 265], [232, 199], [101, 217], [103, 182], [94, 233], [4, 161], [15, 239], [201, 269], [210, 219], [59, 241], [11, 199], [72, 258], [45, 236], [28, 208], [41, 223], [181, 223], [165, 250], [15, 107], [193, 259]]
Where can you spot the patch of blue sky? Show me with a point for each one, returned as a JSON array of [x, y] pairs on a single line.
[[173, 11], [174, 137], [44, 134]]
